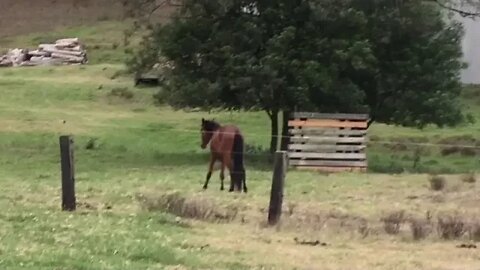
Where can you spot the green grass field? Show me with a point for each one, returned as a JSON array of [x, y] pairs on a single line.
[[139, 189]]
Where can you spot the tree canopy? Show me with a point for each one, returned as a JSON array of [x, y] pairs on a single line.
[[399, 61]]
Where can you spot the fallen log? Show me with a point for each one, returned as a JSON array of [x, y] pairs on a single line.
[[69, 58], [6, 63], [17, 56], [28, 64], [77, 48], [52, 49], [72, 53], [67, 50], [43, 61], [67, 41], [38, 53], [46, 47], [36, 58]]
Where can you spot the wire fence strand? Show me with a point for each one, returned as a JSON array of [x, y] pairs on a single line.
[[329, 140], [281, 136]]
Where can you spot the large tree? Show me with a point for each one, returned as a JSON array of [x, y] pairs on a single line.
[[397, 60]]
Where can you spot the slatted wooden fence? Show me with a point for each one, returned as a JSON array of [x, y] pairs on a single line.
[[328, 142]]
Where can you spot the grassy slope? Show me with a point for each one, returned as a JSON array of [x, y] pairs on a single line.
[[432, 141], [103, 40], [146, 149]]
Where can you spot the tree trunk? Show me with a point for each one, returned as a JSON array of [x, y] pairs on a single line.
[[274, 134], [285, 135]]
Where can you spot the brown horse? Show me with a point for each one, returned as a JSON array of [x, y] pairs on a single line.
[[226, 146]]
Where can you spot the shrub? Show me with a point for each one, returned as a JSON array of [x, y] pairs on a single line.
[[438, 198], [393, 222], [451, 226], [461, 139], [255, 149], [468, 152], [398, 147], [194, 207], [450, 150], [474, 231], [121, 92], [437, 182], [363, 228], [469, 178], [91, 144], [291, 207], [419, 228]]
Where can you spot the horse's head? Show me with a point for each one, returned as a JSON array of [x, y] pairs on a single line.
[[208, 128]]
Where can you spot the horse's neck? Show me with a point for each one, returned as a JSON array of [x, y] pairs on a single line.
[[217, 134], [217, 137]]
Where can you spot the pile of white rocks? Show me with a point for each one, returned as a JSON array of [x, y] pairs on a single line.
[[63, 51]]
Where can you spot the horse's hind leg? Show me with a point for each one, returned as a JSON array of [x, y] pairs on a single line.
[[244, 180], [227, 162], [210, 170], [236, 181], [232, 180], [222, 175]]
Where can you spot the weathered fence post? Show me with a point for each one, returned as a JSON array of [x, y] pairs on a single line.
[[276, 195], [68, 173]]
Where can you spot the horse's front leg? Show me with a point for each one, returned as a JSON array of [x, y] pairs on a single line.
[[210, 170], [227, 162]]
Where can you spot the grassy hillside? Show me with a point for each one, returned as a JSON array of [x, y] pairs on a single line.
[[103, 40], [439, 150], [139, 172], [19, 17]]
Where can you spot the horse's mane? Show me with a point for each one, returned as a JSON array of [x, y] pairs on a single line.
[[210, 125]]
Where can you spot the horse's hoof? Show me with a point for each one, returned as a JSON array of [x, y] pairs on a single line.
[[230, 190], [204, 187], [222, 189]]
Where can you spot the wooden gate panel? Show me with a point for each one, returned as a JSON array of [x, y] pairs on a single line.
[[328, 142]]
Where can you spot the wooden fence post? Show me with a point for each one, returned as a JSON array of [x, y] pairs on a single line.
[[68, 173], [276, 195]]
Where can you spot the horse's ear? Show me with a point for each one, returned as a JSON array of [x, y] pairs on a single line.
[[203, 120]]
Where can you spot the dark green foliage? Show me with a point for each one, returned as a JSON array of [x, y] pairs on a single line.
[[398, 61], [417, 78]]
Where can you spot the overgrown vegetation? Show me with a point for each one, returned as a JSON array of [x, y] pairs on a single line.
[[121, 92], [451, 226], [192, 207], [474, 231], [469, 178], [437, 182], [393, 222], [420, 229]]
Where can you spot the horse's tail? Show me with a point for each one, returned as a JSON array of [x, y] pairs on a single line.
[[237, 160]]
